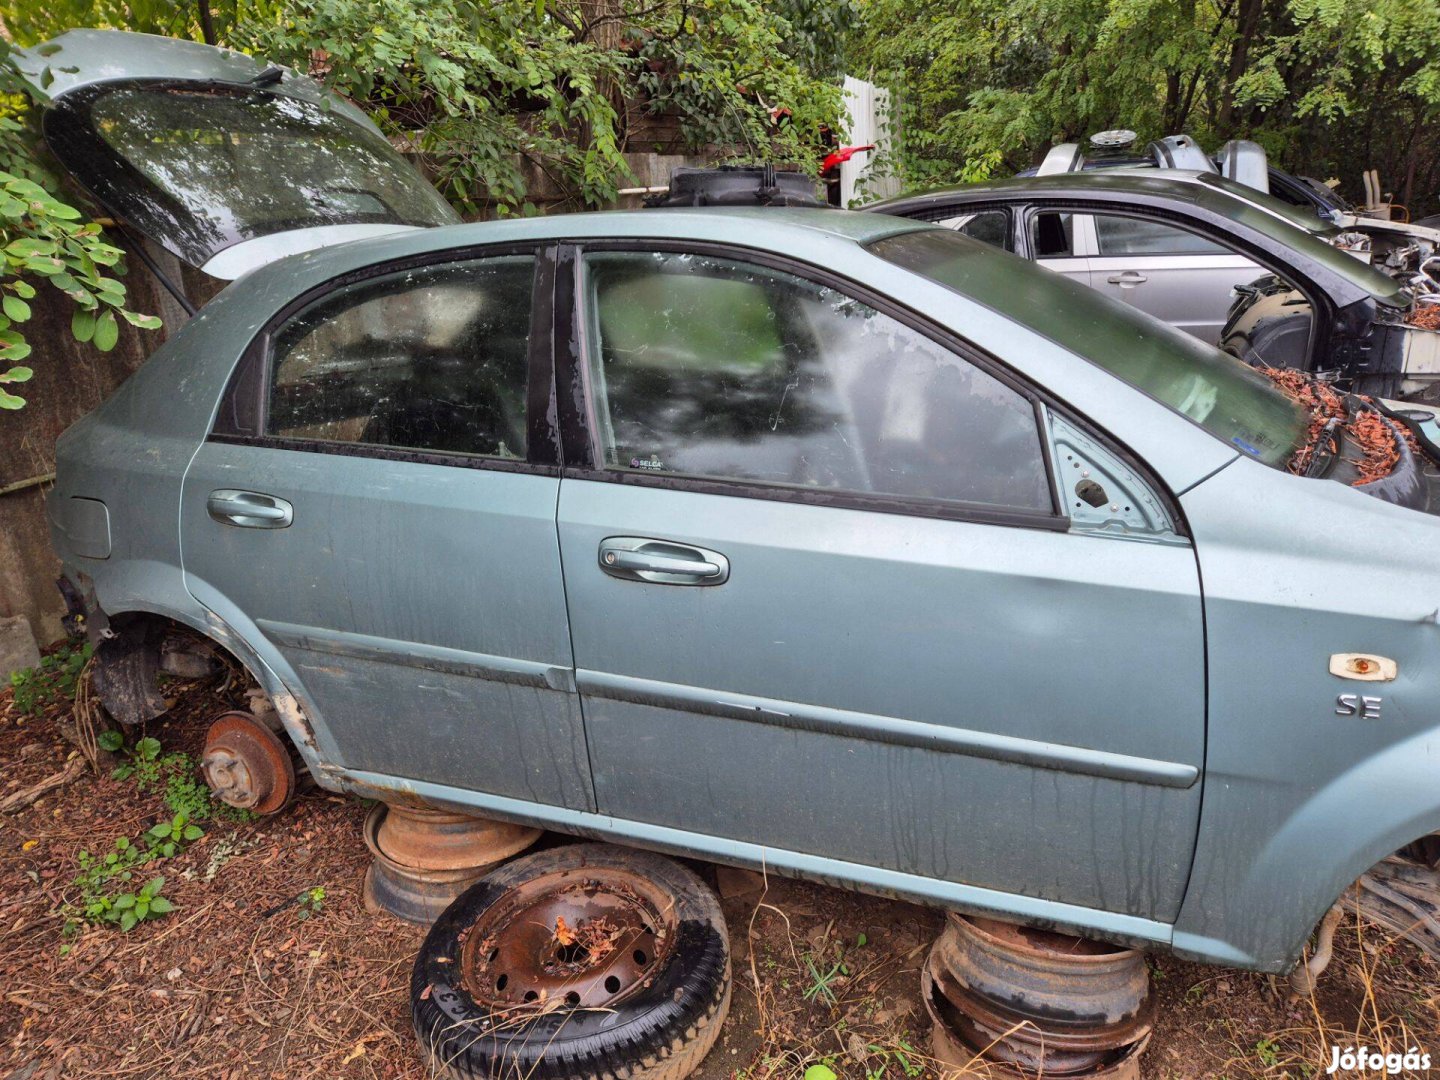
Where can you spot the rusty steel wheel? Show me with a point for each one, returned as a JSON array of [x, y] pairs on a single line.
[[574, 964], [246, 764]]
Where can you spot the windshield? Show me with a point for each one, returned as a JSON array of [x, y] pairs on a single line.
[[209, 168], [1224, 396]]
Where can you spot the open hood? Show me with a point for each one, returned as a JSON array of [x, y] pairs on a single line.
[[220, 159]]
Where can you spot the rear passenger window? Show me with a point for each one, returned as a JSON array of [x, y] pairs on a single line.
[[434, 358], [1136, 236], [708, 367]]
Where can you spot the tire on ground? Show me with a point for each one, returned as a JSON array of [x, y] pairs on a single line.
[[661, 1030]]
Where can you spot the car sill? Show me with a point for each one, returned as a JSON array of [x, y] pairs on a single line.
[[1090, 922]]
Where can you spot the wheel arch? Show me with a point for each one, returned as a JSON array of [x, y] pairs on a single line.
[[294, 712], [1372, 811]]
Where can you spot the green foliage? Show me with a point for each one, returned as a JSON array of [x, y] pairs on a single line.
[[1329, 87], [173, 775], [901, 1054], [500, 96], [311, 901], [1268, 1051], [724, 65], [48, 243], [820, 988], [104, 880], [53, 682], [820, 1071]]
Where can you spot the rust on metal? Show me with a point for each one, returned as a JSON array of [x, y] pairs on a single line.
[[424, 858], [246, 764], [430, 839], [580, 938], [1035, 1001]]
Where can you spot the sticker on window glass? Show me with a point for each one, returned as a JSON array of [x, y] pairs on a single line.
[[652, 463]]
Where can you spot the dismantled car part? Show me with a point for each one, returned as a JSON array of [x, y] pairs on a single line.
[[246, 764], [221, 159], [424, 858], [1306, 974], [1402, 895], [1036, 1002], [739, 185], [575, 963]]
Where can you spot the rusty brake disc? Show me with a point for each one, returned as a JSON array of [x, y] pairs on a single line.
[[246, 764]]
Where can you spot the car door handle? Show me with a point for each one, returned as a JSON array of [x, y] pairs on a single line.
[[661, 562], [1128, 279], [249, 509]]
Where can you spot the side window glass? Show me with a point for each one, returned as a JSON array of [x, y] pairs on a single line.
[[1052, 235], [988, 226], [708, 367], [1136, 236], [434, 358]]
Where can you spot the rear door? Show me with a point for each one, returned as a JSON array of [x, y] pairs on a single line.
[[1176, 275], [824, 598], [378, 501]]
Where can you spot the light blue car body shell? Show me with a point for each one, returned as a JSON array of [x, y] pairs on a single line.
[[1292, 801]]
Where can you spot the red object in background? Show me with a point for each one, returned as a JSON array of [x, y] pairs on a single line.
[[835, 158]]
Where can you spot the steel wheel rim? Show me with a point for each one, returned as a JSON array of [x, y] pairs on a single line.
[[585, 938]]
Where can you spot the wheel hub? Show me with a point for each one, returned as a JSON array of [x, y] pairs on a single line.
[[581, 938], [246, 764]]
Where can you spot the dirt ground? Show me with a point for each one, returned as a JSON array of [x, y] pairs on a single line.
[[241, 979]]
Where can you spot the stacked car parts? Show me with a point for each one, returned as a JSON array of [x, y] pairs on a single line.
[[424, 858], [1036, 1003]]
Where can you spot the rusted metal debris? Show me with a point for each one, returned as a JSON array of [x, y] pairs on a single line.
[[425, 858], [246, 764], [580, 938], [1036, 1003]]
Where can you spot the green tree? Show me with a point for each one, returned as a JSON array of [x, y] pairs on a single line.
[[500, 97], [1329, 87]]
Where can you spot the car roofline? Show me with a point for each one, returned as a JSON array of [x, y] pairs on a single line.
[[699, 224]]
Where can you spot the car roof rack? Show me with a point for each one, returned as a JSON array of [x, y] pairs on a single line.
[[738, 185]]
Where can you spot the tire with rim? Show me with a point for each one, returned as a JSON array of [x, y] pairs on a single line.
[[587, 962]]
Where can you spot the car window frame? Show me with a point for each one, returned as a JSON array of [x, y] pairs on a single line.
[[1322, 305], [243, 409], [935, 216], [583, 457], [1101, 253]]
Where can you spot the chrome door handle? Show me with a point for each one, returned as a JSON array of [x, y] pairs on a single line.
[[249, 509], [1128, 279], [661, 562]]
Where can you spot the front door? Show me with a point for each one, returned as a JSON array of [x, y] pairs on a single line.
[[824, 599], [373, 503]]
